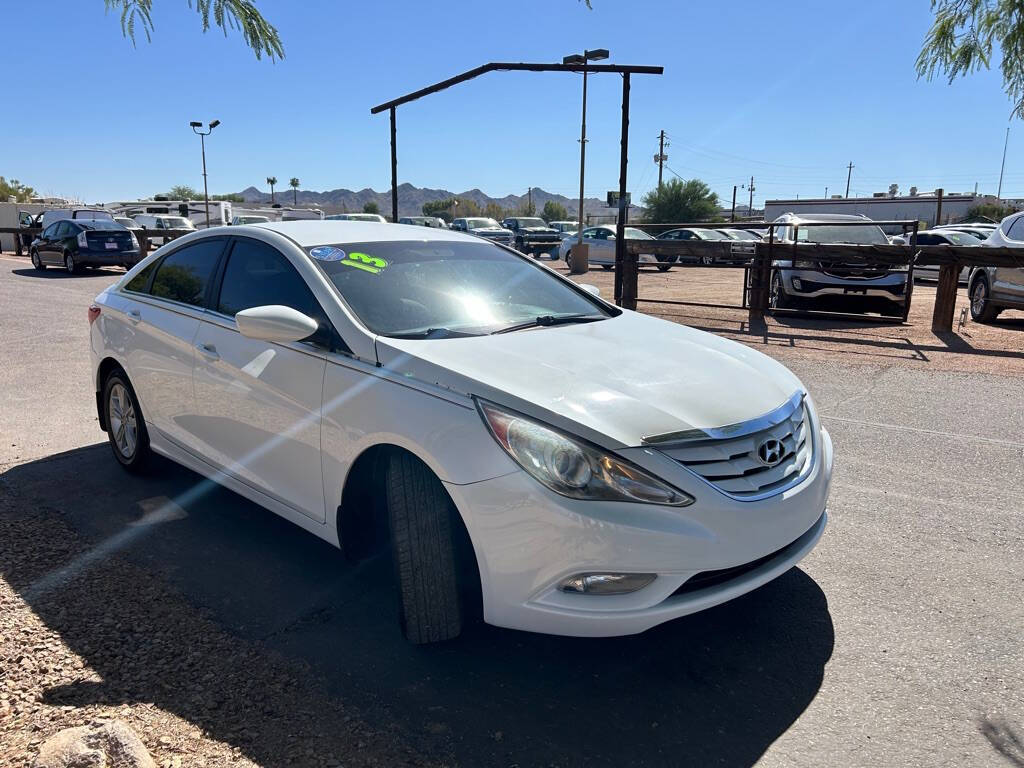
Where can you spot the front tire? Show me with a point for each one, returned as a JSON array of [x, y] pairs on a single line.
[[777, 296], [420, 514], [126, 428], [982, 309], [37, 263]]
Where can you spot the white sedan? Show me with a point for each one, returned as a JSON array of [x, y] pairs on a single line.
[[601, 242], [518, 444]]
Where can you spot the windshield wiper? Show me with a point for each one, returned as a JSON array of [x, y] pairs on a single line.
[[545, 320], [432, 333]]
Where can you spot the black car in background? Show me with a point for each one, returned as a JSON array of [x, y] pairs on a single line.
[[77, 243], [533, 235]]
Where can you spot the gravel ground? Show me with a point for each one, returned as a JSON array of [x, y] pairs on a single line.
[[246, 705]]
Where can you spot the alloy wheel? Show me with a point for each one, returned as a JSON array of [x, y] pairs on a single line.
[[69, 263], [978, 297], [123, 424]]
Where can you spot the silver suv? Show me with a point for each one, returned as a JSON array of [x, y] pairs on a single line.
[[797, 279], [993, 289]]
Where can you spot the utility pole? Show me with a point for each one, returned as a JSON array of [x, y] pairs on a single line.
[[849, 173], [1002, 168], [750, 205], [732, 216], [938, 206], [529, 204], [661, 156], [826, 193]]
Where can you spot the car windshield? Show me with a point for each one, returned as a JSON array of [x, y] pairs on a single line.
[[252, 219], [741, 234], [436, 288], [962, 238], [531, 223], [125, 222], [481, 223], [98, 224], [632, 233], [870, 234], [710, 234], [94, 215]]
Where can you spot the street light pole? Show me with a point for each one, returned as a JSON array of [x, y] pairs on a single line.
[[197, 128], [595, 55], [1002, 168]]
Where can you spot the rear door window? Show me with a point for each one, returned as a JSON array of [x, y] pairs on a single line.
[[185, 274]]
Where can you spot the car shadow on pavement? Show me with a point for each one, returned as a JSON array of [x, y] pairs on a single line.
[[59, 273], [716, 687]]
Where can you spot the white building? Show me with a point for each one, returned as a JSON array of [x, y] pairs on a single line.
[[885, 208]]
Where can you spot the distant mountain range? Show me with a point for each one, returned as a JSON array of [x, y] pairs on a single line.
[[411, 199]]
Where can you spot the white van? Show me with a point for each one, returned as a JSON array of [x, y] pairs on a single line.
[[151, 221], [73, 213]]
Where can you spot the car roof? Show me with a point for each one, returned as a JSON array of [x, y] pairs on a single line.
[[821, 217], [315, 232]]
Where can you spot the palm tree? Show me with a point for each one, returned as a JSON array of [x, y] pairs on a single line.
[[294, 184], [271, 180]]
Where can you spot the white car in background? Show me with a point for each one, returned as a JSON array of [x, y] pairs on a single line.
[[517, 443], [601, 250], [158, 221], [993, 289], [374, 217]]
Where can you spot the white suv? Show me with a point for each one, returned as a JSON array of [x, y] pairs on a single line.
[[797, 279], [993, 289]]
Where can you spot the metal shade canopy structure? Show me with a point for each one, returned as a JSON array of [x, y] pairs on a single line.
[[624, 295]]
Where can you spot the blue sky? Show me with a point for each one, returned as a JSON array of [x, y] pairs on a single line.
[[788, 92]]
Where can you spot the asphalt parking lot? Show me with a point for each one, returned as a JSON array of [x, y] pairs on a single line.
[[898, 641]]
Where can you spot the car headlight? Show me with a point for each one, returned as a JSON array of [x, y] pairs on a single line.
[[573, 468], [804, 264]]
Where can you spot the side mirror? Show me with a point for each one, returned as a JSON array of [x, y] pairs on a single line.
[[589, 288], [275, 323]]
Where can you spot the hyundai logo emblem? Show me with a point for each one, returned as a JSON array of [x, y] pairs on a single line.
[[770, 452]]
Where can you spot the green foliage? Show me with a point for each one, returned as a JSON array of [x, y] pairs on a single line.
[[494, 211], [294, 184], [241, 15], [371, 207], [992, 211], [271, 180], [679, 201], [554, 212], [439, 208], [183, 192], [15, 189], [233, 197], [963, 36]]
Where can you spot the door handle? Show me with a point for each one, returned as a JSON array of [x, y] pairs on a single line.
[[134, 315], [209, 351]]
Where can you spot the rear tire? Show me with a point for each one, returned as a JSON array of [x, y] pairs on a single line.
[[126, 427], [607, 267], [982, 309], [36, 261], [423, 550], [70, 264]]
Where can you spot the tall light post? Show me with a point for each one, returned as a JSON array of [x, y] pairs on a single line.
[[197, 128], [595, 55]]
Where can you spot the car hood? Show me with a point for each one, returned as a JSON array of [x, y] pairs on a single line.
[[614, 382], [539, 230], [490, 231]]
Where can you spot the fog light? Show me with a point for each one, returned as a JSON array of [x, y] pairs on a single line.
[[797, 284], [606, 583]]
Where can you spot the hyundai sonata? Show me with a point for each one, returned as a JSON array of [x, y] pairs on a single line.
[[520, 445]]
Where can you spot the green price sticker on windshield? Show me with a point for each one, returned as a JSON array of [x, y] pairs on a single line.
[[365, 262]]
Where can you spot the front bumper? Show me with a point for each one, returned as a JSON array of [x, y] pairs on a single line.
[[528, 539], [812, 284]]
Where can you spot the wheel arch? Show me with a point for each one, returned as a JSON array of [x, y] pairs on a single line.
[[104, 369]]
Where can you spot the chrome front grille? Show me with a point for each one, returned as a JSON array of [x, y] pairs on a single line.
[[740, 459]]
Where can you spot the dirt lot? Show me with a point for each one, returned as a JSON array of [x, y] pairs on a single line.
[[997, 348], [225, 636]]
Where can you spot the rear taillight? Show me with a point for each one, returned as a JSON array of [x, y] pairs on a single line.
[[83, 241], [94, 312]]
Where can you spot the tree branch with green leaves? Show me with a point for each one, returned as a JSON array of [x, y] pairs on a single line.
[[236, 15], [963, 37]]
